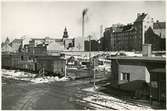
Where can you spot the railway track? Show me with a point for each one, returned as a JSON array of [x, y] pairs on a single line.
[[72, 94], [78, 96], [116, 102]]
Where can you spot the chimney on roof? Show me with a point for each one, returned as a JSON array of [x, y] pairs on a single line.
[[146, 50]]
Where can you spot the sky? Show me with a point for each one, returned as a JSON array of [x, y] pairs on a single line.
[[49, 18]]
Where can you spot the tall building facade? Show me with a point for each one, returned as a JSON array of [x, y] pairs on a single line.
[[141, 24], [156, 36], [124, 38], [132, 36], [106, 46]]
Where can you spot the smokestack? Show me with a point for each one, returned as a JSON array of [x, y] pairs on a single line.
[[83, 21]]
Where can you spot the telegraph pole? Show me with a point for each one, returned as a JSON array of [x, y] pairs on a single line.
[[91, 65], [89, 56], [94, 76]]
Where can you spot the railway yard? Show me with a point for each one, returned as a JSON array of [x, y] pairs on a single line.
[[69, 94]]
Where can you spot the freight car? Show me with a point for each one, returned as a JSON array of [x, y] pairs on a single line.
[[52, 64]]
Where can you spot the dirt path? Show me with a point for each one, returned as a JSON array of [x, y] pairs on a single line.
[[20, 95], [27, 102]]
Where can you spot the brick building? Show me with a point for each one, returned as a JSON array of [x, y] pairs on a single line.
[[95, 46], [131, 37]]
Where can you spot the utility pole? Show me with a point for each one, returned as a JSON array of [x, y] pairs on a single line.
[[65, 69], [89, 56], [94, 76], [91, 66], [101, 34]]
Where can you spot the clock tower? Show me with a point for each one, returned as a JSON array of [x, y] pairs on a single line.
[[65, 35]]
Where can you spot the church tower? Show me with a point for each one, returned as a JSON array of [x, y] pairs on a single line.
[[65, 35]]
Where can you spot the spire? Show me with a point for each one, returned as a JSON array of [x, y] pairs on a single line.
[[65, 35], [65, 30], [7, 41]]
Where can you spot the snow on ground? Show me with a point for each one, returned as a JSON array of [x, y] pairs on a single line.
[[48, 79], [16, 74], [91, 89], [104, 67], [132, 54], [113, 102], [20, 75]]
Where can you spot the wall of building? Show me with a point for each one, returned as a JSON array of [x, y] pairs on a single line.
[[59, 66], [95, 46], [124, 40], [55, 46], [6, 61], [79, 44], [40, 50], [106, 42], [138, 69], [136, 72], [51, 64], [68, 42], [114, 72], [147, 23], [154, 39], [17, 61]]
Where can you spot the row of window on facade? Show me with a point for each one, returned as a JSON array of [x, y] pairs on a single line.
[[124, 38]]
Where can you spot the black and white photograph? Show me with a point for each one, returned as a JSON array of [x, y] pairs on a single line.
[[83, 55]]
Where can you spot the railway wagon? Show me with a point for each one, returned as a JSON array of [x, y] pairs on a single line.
[[10, 60], [51, 64], [22, 61], [18, 61], [6, 61]]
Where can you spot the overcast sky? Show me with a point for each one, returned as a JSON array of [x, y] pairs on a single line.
[[40, 19]]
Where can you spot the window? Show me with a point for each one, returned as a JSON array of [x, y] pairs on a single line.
[[29, 58], [22, 58], [125, 76]]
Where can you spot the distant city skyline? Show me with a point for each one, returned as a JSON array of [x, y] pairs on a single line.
[[40, 19]]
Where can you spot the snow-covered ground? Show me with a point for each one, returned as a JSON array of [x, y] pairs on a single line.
[[20, 75], [91, 89], [104, 67], [112, 102]]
